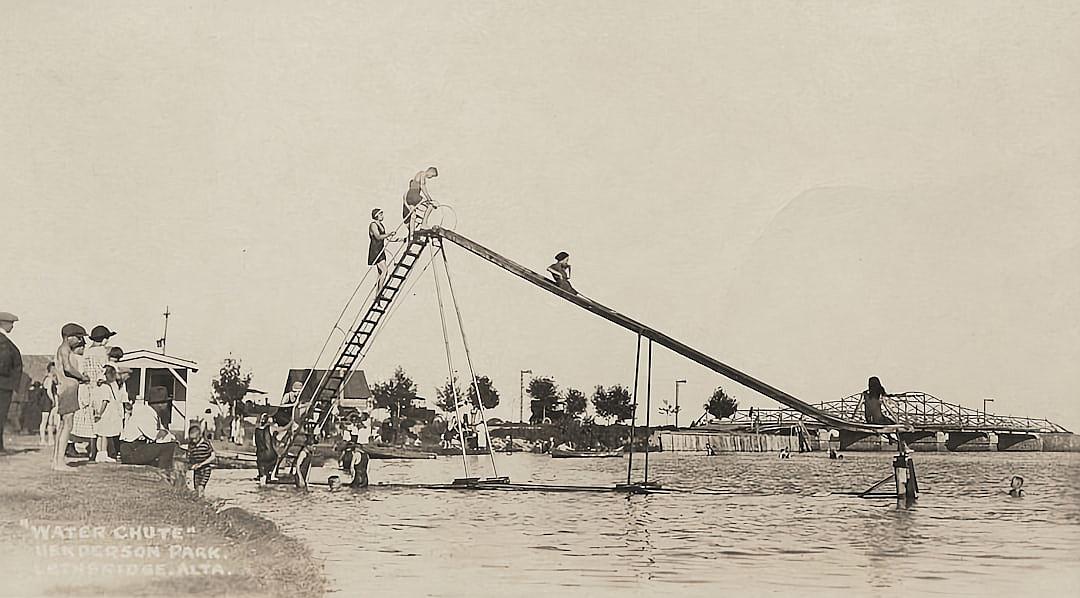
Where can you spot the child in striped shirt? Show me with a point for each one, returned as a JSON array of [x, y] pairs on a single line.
[[200, 456]]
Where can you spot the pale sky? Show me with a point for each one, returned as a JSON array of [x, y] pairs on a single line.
[[813, 192]]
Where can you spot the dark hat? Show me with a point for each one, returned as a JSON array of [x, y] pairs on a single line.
[[7, 316], [72, 329], [100, 333], [561, 255]]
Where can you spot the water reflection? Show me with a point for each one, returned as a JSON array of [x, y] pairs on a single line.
[[773, 527]]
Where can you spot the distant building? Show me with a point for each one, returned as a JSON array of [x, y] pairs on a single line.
[[168, 375], [148, 370], [355, 393]]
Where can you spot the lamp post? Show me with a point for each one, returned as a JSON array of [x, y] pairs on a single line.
[[985, 401], [677, 383], [521, 395]]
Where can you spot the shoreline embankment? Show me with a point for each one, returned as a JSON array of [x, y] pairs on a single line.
[[122, 530]]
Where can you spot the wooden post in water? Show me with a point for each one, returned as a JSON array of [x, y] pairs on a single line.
[[907, 485]]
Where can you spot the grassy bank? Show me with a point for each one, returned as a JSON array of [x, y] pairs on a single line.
[[106, 529]]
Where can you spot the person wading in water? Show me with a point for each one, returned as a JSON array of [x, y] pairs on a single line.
[[265, 454]]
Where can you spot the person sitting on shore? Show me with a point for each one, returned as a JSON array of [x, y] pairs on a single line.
[[201, 457], [560, 272], [1016, 487], [145, 440]]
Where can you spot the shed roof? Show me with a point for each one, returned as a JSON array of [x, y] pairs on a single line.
[[142, 358], [356, 386]]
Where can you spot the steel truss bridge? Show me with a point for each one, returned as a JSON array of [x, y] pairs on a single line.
[[924, 412]]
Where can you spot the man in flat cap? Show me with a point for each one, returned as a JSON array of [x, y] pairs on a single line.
[[11, 368], [69, 376]]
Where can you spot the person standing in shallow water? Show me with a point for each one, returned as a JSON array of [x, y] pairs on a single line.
[[560, 272], [265, 453]]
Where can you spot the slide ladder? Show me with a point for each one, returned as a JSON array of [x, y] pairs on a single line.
[[314, 417], [660, 338]]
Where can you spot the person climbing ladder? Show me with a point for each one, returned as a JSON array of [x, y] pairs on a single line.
[[378, 237], [416, 195]]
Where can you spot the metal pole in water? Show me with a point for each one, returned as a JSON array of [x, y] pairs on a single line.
[[648, 404], [633, 415], [450, 366]]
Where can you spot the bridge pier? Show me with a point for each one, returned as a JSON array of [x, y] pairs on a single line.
[[1019, 442], [862, 441], [824, 440], [925, 441], [965, 442]]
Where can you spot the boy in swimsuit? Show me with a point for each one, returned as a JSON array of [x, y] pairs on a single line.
[[416, 195], [1016, 487], [201, 457], [70, 377]]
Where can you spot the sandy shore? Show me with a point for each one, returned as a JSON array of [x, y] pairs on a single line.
[[117, 530]]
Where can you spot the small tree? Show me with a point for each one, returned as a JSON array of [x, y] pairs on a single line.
[[446, 396], [489, 397], [721, 405], [395, 395], [545, 400], [231, 384], [614, 403], [574, 402]]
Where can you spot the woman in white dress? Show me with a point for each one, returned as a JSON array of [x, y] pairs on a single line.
[[82, 429], [98, 393], [111, 422]]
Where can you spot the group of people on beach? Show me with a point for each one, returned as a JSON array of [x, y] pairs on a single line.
[[83, 401]]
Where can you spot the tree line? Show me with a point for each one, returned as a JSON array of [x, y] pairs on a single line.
[[548, 403]]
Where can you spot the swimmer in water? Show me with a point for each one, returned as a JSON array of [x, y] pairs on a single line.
[[334, 482], [1016, 487]]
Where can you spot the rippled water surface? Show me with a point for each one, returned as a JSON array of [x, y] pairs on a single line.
[[773, 528]]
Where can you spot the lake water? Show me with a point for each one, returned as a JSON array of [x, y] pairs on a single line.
[[772, 528]]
